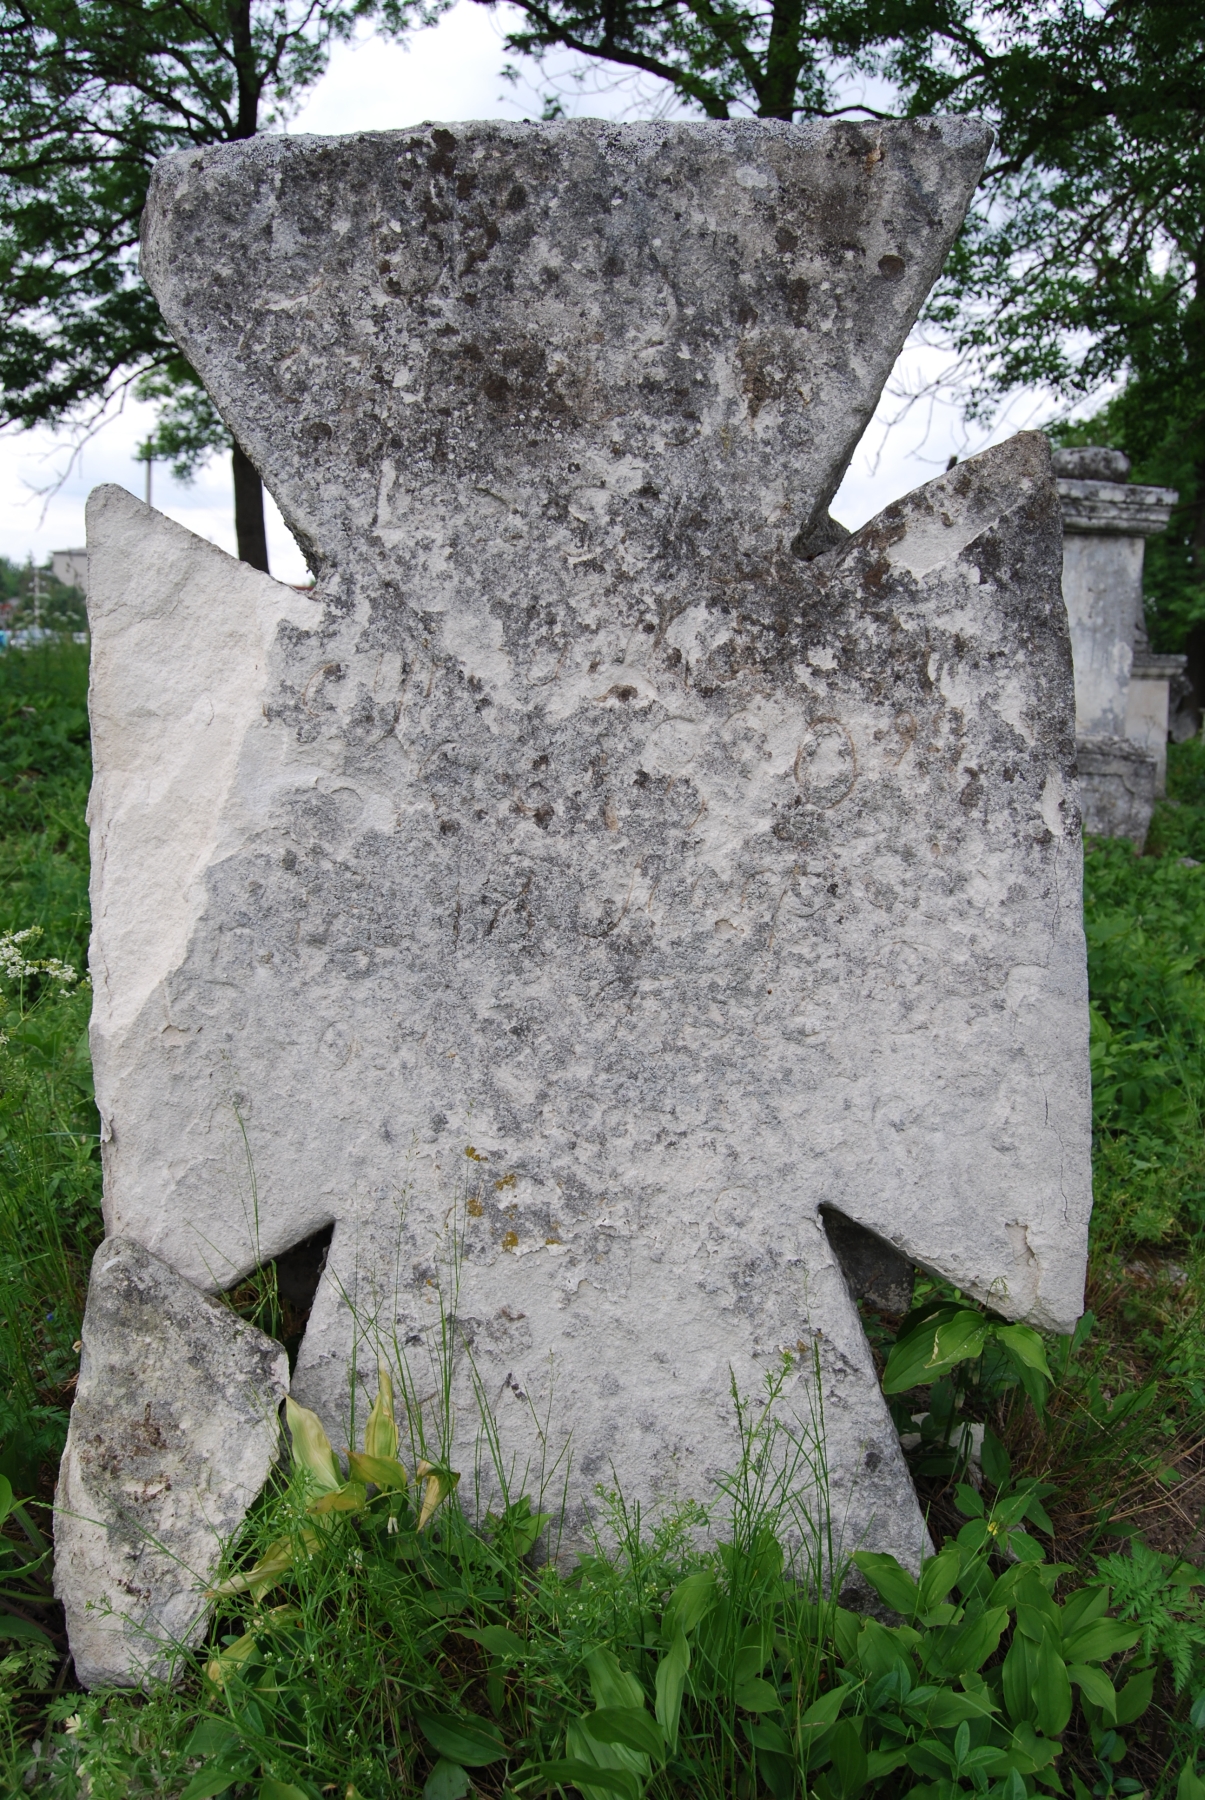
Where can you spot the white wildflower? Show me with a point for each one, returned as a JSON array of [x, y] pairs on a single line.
[[16, 966]]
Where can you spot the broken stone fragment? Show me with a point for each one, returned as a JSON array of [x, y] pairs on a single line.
[[172, 1435]]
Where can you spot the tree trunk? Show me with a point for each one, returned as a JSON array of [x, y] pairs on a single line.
[[249, 512]]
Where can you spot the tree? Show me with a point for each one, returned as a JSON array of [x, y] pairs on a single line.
[[1082, 263], [92, 93]]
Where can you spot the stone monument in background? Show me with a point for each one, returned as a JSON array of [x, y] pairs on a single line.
[[605, 881], [1121, 687]]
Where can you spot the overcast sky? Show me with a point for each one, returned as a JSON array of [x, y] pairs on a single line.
[[450, 72]]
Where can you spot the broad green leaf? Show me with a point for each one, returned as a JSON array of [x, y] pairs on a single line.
[[1099, 1641], [22, 1630], [959, 1340], [212, 1737], [889, 1581], [572, 1772], [312, 1448], [470, 1741], [994, 1458], [1190, 1786], [1017, 1677], [380, 1431], [1051, 1690], [849, 1759], [447, 1781], [215, 1778], [6, 1497], [1026, 1346], [627, 1725], [383, 1472], [438, 1483], [884, 1762], [967, 1647], [1086, 1604], [823, 1712], [938, 1575], [610, 1684], [1135, 1697], [618, 1759], [1095, 1686], [947, 1709], [878, 1650], [690, 1601], [671, 1684], [506, 1645], [277, 1561], [349, 1499], [758, 1696], [271, 1789]]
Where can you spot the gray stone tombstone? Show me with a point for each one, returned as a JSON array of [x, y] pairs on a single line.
[[1121, 690], [606, 874]]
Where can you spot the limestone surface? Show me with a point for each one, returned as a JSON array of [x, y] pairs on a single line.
[[171, 1437], [608, 868]]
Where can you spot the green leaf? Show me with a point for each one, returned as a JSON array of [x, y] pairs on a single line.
[[6, 1497], [671, 1684], [348, 1499], [447, 1781], [889, 1581], [1190, 1786], [690, 1601], [213, 1779], [212, 1737], [1095, 1686], [938, 1575], [758, 1696], [471, 1742], [1099, 1641], [312, 1448], [849, 1759], [384, 1472], [571, 1771], [1134, 1697], [1026, 1346], [994, 1458], [627, 1725], [947, 1709], [270, 1789], [610, 1684], [823, 1712], [506, 1645], [380, 1431], [932, 1348], [884, 1762], [439, 1483], [25, 1631], [962, 1649], [1051, 1689]]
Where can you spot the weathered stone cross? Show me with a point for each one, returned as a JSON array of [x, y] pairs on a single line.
[[602, 832]]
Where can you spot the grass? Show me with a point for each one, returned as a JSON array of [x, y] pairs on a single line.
[[390, 1660]]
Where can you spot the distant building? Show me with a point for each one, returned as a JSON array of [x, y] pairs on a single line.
[[71, 568]]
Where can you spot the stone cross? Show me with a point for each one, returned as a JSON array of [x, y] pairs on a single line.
[[606, 875]]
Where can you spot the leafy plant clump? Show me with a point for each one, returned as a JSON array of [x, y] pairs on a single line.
[[370, 1642]]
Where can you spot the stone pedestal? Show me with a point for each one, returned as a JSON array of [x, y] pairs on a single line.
[[1106, 523], [1148, 707]]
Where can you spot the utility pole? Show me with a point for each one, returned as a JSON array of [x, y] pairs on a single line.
[[150, 463]]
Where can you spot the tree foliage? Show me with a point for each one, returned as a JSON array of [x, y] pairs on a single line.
[[92, 93]]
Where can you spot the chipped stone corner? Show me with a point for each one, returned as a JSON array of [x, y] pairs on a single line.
[[172, 1435]]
